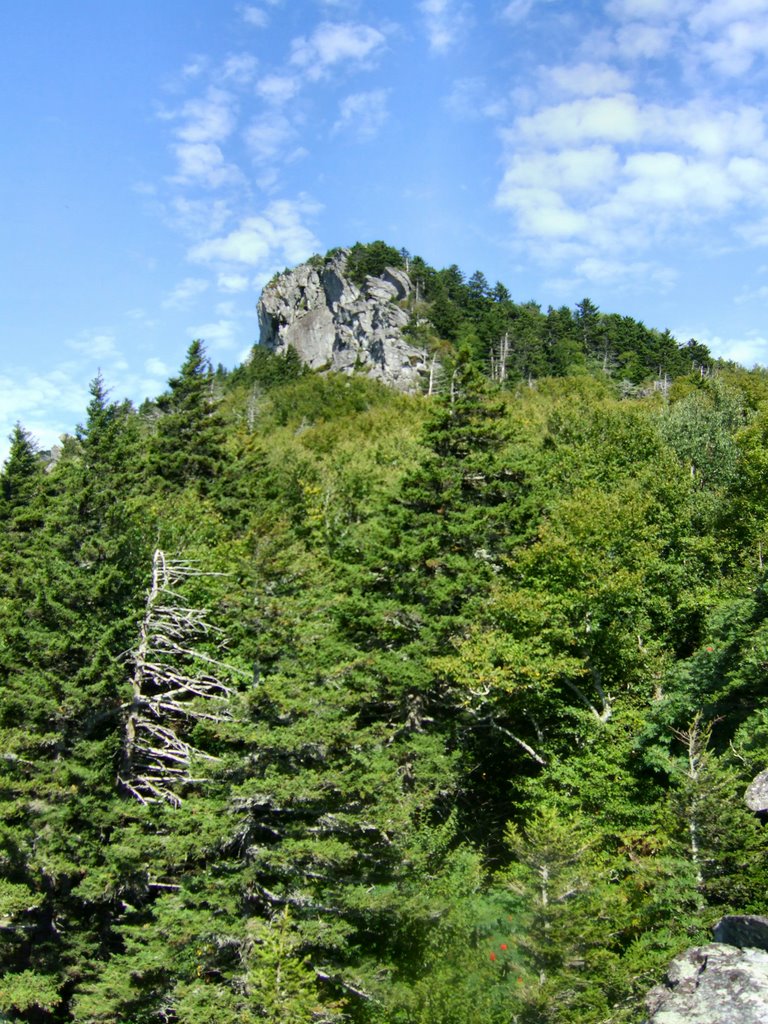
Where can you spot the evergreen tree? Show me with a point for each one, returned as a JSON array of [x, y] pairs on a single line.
[[188, 445], [21, 472], [568, 914], [65, 618]]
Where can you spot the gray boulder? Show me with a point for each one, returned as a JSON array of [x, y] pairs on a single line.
[[335, 325], [745, 930], [713, 984], [756, 795]]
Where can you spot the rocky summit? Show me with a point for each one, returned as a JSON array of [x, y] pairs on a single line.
[[335, 324]]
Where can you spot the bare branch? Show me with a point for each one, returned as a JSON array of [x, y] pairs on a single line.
[[169, 693]]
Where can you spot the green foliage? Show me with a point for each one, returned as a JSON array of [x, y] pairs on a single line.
[[371, 260], [495, 669], [188, 442]]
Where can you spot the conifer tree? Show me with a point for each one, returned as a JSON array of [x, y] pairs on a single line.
[[65, 618], [20, 473], [189, 440]]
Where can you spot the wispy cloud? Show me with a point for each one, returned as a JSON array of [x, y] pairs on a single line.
[[269, 136], [239, 68], [96, 344], [605, 163], [332, 43], [232, 283], [473, 99], [219, 334], [210, 119], [587, 79], [363, 114], [30, 398], [518, 10], [156, 367], [749, 349], [186, 291], [256, 17], [203, 125], [278, 89], [446, 21], [203, 163], [279, 235], [197, 218]]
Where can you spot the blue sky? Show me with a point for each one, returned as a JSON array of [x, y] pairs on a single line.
[[162, 158]]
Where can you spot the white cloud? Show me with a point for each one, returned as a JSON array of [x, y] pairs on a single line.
[[755, 232], [750, 349], [203, 163], [156, 367], [232, 283], [254, 16], [471, 98], [198, 217], [587, 79], [650, 10], [587, 169], [617, 273], [278, 89], [277, 235], [752, 295], [732, 52], [518, 10], [204, 124], [217, 334], [194, 68], [141, 317], [96, 345], [269, 136], [332, 43], [446, 22], [717, 13], [207, 120], [185, 292], [637, 40], [363, 113], [607, 118], [48, 405], [597, 178], [239, 68]]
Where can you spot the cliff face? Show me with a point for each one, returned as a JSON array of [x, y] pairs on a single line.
[[334, 324]]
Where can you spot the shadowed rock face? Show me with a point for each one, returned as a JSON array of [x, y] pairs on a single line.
[[745, 930], [333, 324], [714, 984]]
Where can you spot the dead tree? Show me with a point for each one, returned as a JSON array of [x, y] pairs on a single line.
[[175, 683], [500, 359]]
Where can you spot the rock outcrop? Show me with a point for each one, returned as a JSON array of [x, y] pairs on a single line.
[[756, 795], [714, 984], [744, 930], [725, 982], [334, 324]]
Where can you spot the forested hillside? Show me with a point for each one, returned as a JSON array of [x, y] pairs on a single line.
[[324, 703]]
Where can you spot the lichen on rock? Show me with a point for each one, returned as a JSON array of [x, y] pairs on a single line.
[[712, 984]]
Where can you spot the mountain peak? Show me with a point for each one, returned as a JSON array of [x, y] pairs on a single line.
[[335, 323]]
